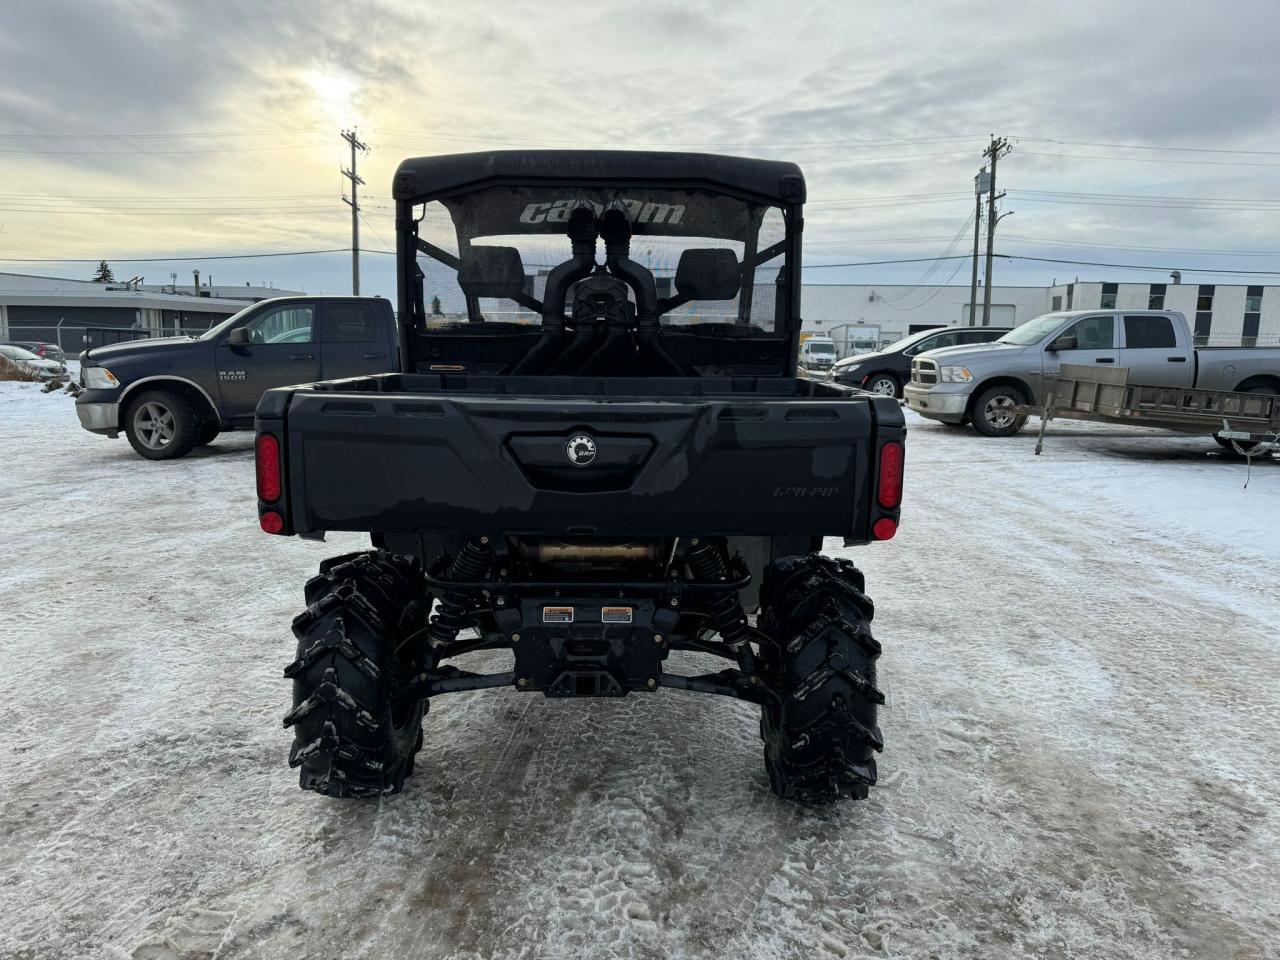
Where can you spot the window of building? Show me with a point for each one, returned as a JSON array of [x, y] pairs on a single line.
[[1252, 316], [1109, 291], [1071, 294], [1057, 303], [1204, 301], [1155, 299], [1142, 331]]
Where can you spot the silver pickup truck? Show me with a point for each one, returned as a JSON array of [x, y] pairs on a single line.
[[984, 385]]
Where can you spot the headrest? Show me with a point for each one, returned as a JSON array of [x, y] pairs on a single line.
[[708, 275], [492, 272]]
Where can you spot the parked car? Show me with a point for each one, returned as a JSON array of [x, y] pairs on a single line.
[[45, 351], [887, 371], [818, 356], [171, 395], [985, 384], [26, 360]]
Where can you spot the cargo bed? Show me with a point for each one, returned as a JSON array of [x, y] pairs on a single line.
[[676, 456]]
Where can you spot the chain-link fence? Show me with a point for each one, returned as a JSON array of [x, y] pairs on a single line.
[[65, 341]]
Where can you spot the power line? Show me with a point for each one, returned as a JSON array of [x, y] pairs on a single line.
[[216, 211], [937, 289], [203, 134], [721, 144], [1090, 156], [808, 266], [1144, 196], [1138, 266], [1156, 205], [1144, 249], [1146, 146], [218, 256], [164, 199], [934, 267], [159, 153]]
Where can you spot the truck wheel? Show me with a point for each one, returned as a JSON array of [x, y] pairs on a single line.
[[993, 412], [162, 425], [208, 433], [356, 649], [820, 657], [885, 384]]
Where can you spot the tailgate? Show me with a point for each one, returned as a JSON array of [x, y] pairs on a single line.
[[415, 462]]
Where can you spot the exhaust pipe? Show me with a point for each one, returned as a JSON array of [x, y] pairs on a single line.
[[582, 236], [616, 231]]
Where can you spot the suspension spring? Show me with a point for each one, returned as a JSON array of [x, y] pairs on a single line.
[[708, 563], [453, 614]]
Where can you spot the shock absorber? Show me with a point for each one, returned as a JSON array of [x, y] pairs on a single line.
[[471, 563], [708, 564]]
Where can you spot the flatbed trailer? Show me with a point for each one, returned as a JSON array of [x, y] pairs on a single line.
[[1249, 423]]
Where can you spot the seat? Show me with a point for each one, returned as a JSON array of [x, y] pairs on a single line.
[[708, 275]]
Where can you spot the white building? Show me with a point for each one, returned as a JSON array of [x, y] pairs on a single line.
[[1219, 313]]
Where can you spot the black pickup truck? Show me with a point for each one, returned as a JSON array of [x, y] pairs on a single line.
[[597, 465], [171, 395]]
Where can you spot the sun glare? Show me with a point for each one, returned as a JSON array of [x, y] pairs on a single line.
[[335, 94]]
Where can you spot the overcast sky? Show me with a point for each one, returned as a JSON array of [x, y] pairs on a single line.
[[144, 129]]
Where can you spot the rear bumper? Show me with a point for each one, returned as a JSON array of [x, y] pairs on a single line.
[[103, 418], [783, 457], [946, 407]]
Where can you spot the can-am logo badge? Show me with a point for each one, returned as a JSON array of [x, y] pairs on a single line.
[[581, 450], [638, 211]]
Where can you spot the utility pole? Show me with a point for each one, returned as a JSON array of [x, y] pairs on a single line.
[[998, 148], [981, 184], [354, 204]]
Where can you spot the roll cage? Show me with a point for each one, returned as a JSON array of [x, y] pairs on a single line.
[[622, 194]]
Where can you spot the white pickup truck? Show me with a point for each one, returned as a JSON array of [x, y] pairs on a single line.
[[984, 385]]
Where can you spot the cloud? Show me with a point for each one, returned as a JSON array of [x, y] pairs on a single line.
[[861, 95]]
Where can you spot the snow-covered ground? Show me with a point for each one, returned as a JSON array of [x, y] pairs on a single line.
[[1083, 734]]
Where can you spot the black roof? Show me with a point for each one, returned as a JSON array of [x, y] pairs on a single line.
[[772, 180]]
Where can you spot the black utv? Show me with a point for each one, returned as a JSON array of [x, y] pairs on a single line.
[[597, 456]]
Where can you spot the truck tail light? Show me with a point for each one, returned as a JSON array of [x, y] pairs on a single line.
[[271, 521], [884, 528], [890, 487], [267, 458]]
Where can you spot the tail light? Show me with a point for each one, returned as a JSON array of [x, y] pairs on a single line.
[[890, 488], [884, 528], [267, 458]]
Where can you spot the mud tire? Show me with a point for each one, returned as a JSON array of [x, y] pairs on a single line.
[[360, 640], [820, 657]]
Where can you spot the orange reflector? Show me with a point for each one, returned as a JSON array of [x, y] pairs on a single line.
[[271, 521], [267, 456], [884, 528], [890, 490]]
